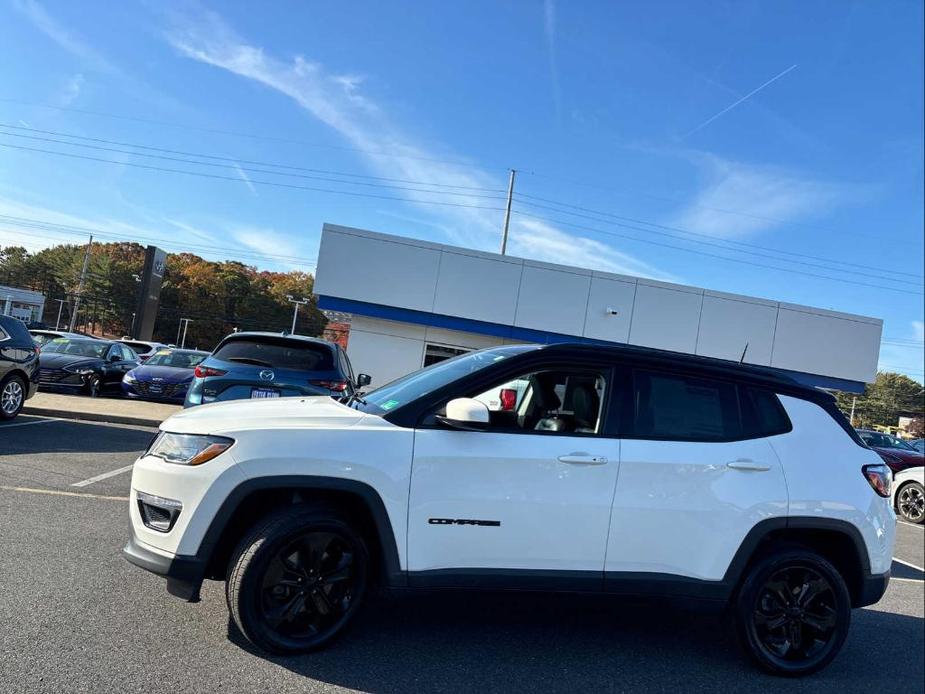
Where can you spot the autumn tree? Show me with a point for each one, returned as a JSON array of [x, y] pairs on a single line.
[[884, 399]]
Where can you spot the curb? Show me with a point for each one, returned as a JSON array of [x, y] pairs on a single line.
[[91, 416]]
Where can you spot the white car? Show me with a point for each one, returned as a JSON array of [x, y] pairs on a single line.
[[143, 348], [909, 494], [622, 470]]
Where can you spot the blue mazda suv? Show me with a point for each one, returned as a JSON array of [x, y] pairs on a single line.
[[272, 365]]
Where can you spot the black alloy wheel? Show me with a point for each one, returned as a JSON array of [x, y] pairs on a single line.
[[297, 580], [94, 386], [793, 613]]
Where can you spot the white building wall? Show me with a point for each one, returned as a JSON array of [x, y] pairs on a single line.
[[444, 280]]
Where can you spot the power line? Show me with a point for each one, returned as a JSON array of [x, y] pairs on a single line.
[[238, 167], [712, 255], [247, 161], [258, 182], [714, 242], [255, 136]]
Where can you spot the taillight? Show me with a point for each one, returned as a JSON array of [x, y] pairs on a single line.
[[508, 399], [336, 386], [205, 372], [879, 477]]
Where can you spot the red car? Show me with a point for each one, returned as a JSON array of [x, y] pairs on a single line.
[[896, 453]]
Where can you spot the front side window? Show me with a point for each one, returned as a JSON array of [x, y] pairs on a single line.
[[559, 401], [685, 408]]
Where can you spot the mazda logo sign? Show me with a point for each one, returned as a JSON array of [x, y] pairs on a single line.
[[266, 375]]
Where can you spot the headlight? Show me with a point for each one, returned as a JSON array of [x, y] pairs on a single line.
[[188, 449], [129, 378], [82, 370]]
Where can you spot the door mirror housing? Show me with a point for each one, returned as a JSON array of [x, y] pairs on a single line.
[[467, 414], [114, 358], [364, 380]]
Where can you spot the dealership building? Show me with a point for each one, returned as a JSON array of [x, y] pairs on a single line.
[[412, 303]]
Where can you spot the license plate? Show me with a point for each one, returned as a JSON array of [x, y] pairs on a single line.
[[155, 389], [264, 393]]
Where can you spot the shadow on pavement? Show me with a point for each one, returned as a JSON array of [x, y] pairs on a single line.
[[900, 570], [67, 436], [465, 642]]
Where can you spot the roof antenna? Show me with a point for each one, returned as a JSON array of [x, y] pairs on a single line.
[[742, 358]]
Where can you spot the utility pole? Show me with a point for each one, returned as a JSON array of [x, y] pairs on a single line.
[[186, 322], [507, 211], [60, 306], [295, 312], [854, 401], [80, 283]]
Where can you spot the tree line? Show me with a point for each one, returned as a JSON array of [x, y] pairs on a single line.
[[218, 297]]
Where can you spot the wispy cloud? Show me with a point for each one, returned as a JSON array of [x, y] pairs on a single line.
[[338, 101], [71, 90], [69, 40], [549, 30], [906, 358], [245, 178], [264, 240], [540, 241], [739, 101], [762, 197]]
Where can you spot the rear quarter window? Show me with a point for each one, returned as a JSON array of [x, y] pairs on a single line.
[[278, 354], [762, 413]]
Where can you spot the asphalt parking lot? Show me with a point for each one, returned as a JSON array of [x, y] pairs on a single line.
[[77, 617]]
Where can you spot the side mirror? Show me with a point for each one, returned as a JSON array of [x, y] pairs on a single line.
[[114, 358], [467, 414], [364, 380]]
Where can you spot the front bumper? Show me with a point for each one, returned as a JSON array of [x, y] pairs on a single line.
[[184, 573], [873, 586]]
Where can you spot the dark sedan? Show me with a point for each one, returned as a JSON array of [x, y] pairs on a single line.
[[896, 453], [165, 375], [86, 365]]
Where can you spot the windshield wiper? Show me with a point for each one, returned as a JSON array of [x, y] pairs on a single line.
[[249, 360]]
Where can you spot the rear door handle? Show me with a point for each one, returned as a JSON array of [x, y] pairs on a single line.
[[746, 464], [582, 459]]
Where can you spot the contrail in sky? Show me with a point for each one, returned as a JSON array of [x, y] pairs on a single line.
[[736, 103]]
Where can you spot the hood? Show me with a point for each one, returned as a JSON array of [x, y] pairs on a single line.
[[169, 374], [273, 413], [56, 360], [898, 459]]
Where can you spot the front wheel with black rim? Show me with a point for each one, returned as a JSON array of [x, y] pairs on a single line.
[[297, 579], [910, 502], [94, 386], [792, 612], [12, 397]]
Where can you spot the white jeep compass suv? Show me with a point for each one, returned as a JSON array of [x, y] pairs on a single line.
[[620, 470]]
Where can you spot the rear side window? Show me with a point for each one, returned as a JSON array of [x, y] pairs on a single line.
[[762, 413], [278, 354], [685, 408]]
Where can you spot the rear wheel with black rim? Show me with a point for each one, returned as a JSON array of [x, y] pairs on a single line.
[[910, 502], [297, 579], [793, 612], [12, 397]]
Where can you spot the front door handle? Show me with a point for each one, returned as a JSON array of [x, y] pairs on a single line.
[[582, 459], [747, 464]]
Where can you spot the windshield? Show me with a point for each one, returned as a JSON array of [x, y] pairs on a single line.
[[178, 360], [419, 383], [879, 440], [80, 348]]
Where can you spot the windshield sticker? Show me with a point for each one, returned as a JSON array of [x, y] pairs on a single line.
[[389, 404]]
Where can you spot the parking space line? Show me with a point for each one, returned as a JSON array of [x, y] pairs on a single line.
[[907, 580], [25, 424], [105, 475], [913, 525], [55, 492], [909, 564]]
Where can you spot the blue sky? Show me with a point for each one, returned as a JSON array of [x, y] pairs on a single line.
[[772, 149]]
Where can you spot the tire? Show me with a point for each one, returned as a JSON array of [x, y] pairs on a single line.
[[792, 612], [94, 387], [12, 397], [276, 574], [910, 502]]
